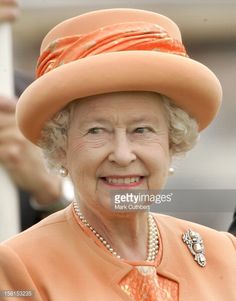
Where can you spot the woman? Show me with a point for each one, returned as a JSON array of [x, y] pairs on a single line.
[[116, 97]]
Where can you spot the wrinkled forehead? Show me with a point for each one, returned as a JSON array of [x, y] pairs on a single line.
[[128, 106]]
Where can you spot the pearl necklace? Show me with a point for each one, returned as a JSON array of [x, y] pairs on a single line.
[[153, 241]]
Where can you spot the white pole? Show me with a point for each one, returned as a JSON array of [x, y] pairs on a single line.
[[9, 204]]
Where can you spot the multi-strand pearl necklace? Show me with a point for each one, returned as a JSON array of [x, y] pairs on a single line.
[[153, 241]]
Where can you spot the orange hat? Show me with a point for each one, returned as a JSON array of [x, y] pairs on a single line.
[[116, 50]]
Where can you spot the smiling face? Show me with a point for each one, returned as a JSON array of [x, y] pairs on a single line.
[[117, 141]]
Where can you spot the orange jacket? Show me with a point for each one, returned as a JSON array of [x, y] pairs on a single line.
[[59, 262]]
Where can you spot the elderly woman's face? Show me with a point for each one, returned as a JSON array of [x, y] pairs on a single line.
[[117, 141]]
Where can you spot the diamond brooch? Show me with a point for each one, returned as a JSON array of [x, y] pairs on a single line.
[[195, 244]]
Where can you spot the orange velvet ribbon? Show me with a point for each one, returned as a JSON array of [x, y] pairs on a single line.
[[112, 38]]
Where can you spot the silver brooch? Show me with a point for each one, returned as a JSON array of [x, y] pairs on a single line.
[[195, 245]]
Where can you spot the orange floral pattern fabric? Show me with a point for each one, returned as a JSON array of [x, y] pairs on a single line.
[[144, 284], [115, 37]]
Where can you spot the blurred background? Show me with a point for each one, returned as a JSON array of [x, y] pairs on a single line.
[[209, 35]]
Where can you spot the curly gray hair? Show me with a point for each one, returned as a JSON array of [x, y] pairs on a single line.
[[183, 133]]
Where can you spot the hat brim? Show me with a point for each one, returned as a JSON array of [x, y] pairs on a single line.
[[189, 84]]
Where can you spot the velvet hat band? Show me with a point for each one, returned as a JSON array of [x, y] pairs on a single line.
[[115, 37]]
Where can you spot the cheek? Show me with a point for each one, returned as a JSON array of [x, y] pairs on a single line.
[[157, 164], [156, 156], [76, 151], [158, 147], [84, 157], [86, 145], [81, 167]]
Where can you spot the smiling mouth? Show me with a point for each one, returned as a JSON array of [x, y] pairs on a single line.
[[122, 180]]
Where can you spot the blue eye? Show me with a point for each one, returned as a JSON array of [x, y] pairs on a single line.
[[95, 131], [142, 130]]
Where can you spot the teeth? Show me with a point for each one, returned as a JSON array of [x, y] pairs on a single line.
[[127, 180], [133, 180], [122, 180]]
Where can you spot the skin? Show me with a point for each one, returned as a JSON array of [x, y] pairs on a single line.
[[23, 160], [111, 135], [9, 10], [18, 156]]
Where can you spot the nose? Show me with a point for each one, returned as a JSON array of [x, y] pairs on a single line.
[[122, 152]]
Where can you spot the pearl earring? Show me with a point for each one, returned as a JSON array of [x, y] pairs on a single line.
[[63, 172], [171, 171]]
